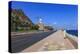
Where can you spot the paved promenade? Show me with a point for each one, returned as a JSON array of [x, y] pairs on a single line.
[[55, 41]]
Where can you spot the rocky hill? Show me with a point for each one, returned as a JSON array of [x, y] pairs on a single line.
[[19, 20]]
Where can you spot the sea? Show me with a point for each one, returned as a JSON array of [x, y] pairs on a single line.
[[73, 32]]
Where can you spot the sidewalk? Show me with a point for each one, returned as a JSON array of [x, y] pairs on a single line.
[[55, 41], [21, 33]]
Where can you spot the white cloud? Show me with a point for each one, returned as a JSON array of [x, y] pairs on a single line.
[[55, 23]]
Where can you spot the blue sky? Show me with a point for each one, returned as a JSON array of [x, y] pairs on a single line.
[[57, 15]]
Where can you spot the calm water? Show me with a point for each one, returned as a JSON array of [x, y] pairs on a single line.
[[73, 32]]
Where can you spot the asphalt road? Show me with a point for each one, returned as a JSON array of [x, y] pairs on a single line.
[[20, 42]]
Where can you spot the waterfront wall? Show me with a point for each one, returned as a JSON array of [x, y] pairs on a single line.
[[73, 39]]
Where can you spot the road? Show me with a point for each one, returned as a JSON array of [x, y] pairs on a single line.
[[20, 42]]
